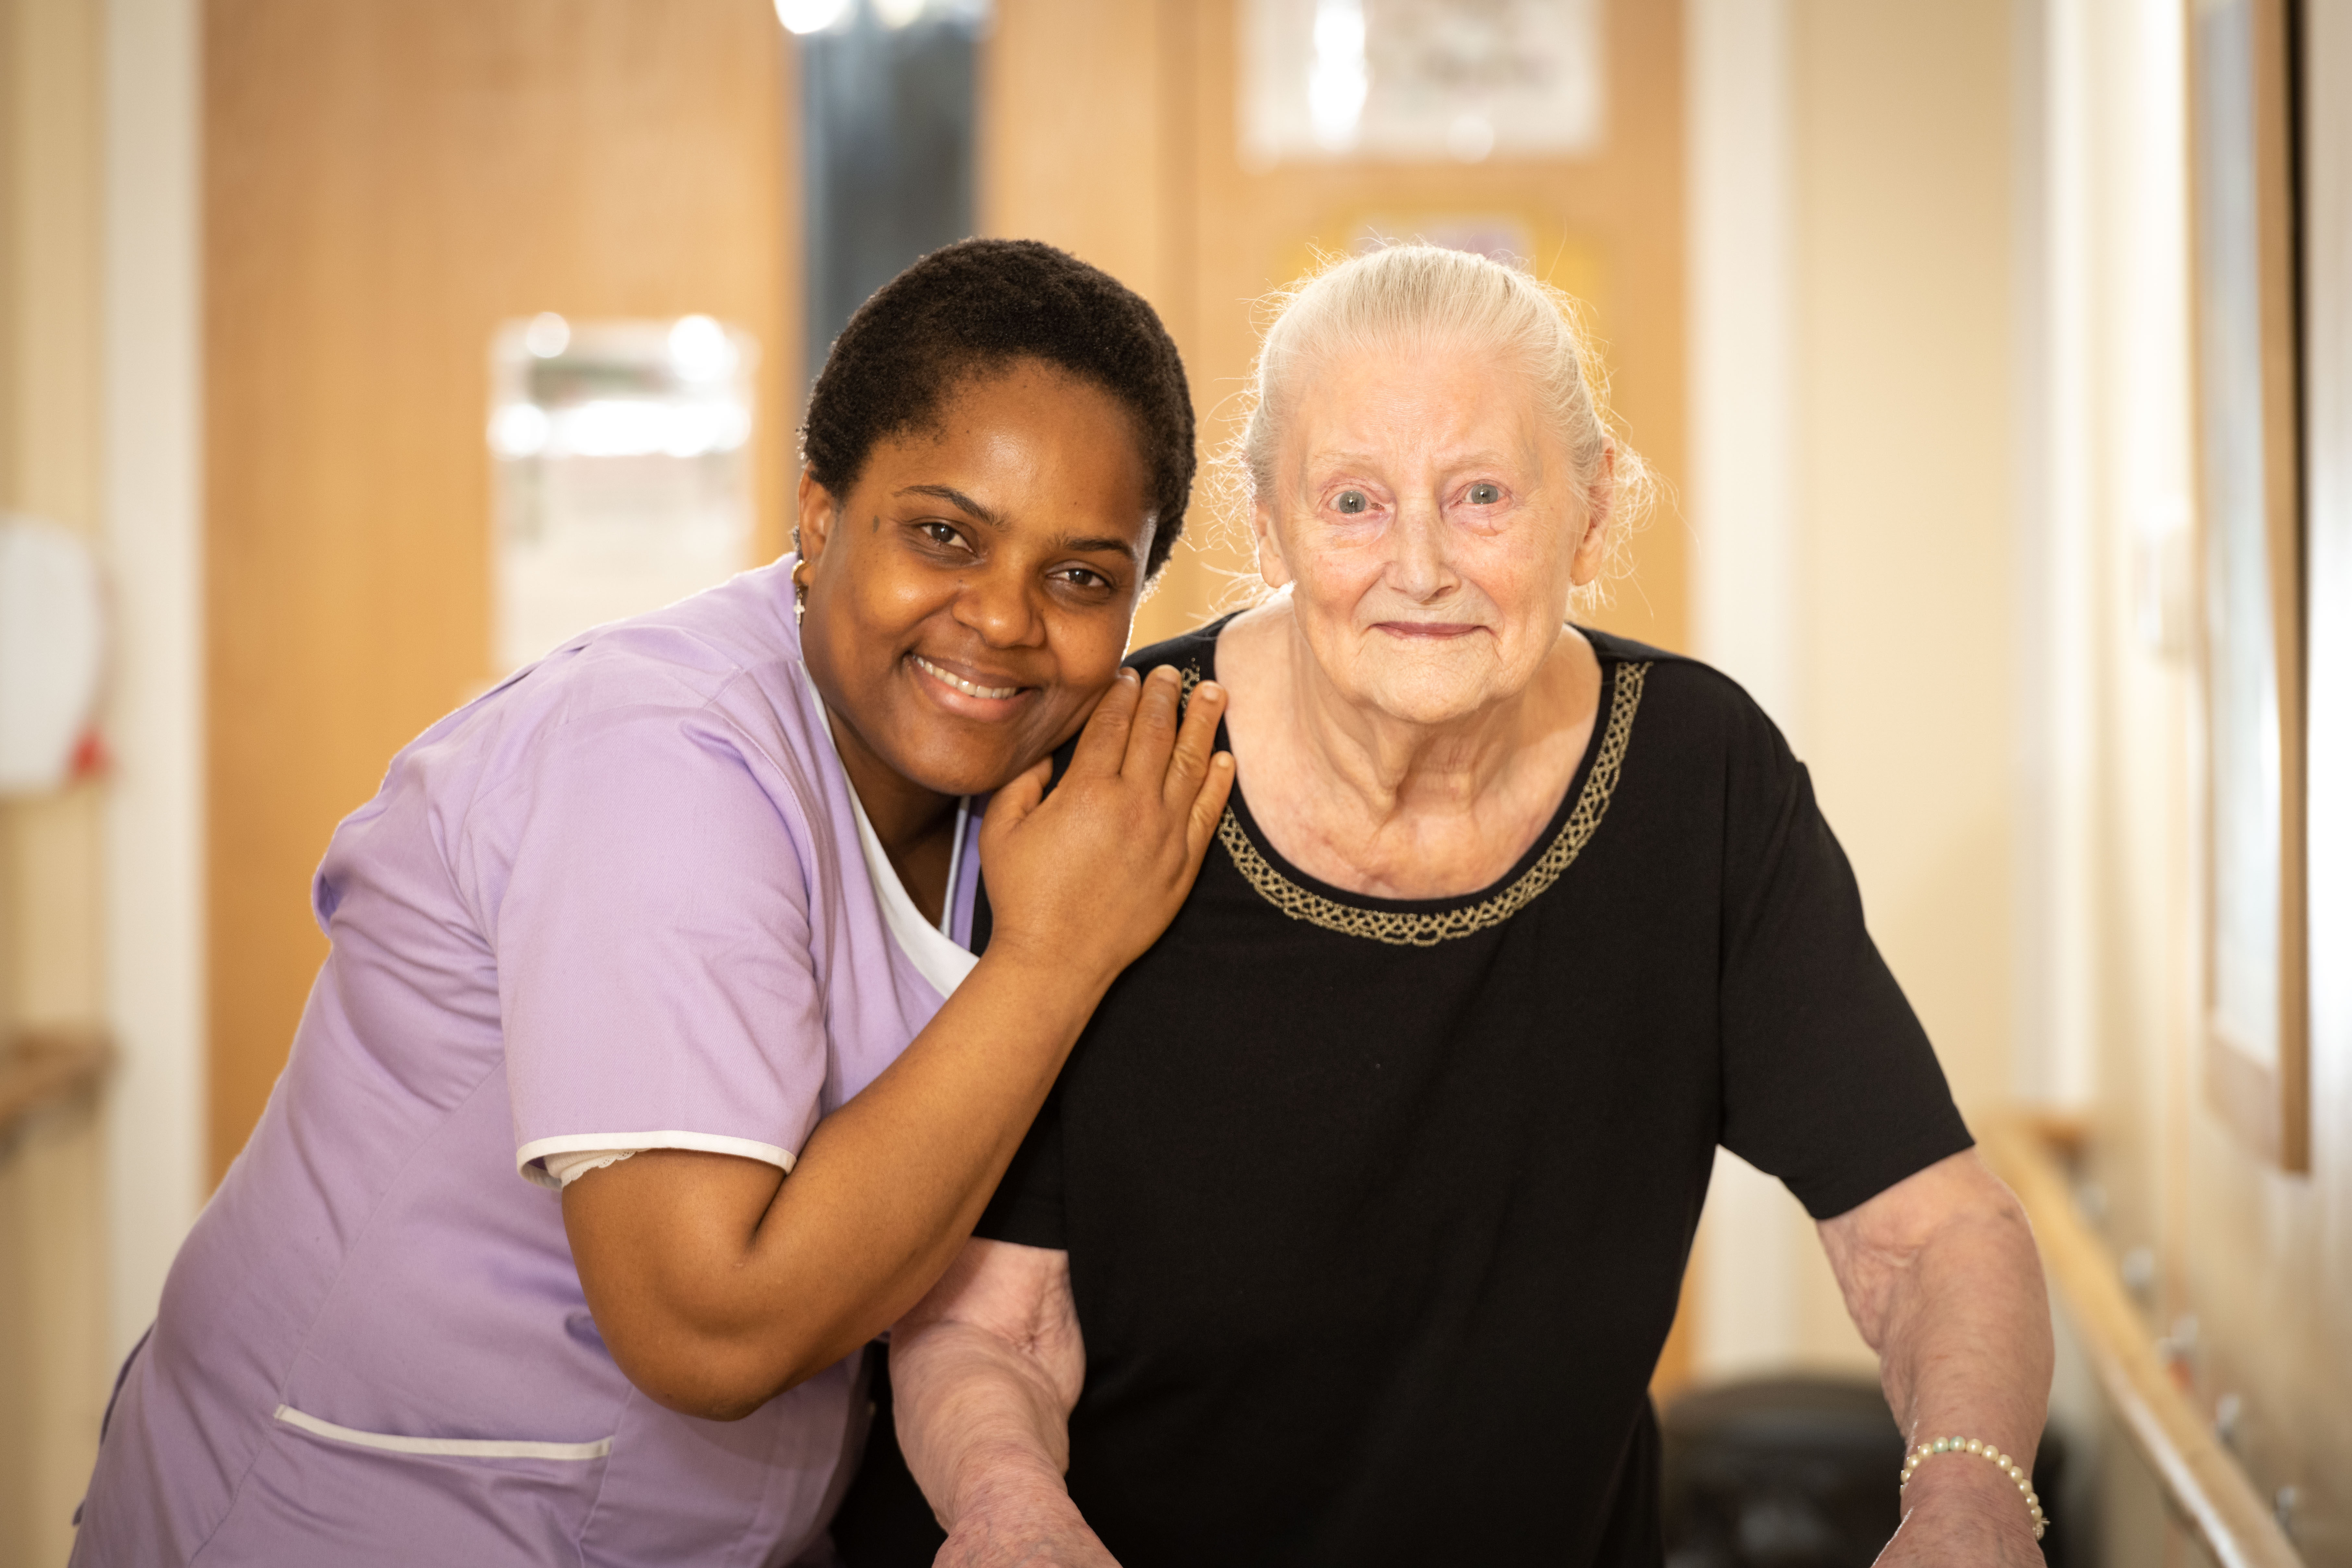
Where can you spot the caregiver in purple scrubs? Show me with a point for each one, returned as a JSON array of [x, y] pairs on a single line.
[[650, 1075]]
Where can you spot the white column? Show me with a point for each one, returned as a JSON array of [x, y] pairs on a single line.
[[1742, 505], [154, 836], [1742, 336], [2328, 99], [2057, 286]]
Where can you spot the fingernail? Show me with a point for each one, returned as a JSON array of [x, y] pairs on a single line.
[[1128, 675], [1167, 669], [1209, 689]]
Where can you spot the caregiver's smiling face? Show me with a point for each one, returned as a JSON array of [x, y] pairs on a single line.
[[970, 596]]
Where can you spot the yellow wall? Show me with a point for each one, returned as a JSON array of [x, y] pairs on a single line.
[[52, 1281]]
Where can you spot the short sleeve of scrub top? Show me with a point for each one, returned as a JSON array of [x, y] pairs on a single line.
[[653, 948]]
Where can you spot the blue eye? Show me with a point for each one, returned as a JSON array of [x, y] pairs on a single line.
[[1350, 502], [1485, 494]]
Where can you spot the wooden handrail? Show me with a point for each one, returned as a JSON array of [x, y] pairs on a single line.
[[39, 1068], [2203, 1480]]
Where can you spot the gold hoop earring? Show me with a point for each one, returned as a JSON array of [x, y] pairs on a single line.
[[800, 594]]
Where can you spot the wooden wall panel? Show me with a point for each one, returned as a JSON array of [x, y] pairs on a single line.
[[1111, 130], [386, 180], [1078, 129]]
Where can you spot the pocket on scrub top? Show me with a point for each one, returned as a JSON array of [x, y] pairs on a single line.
[[445, 1448], [320, 1491]]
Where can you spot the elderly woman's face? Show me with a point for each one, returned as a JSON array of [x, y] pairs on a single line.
[[1429, 527]]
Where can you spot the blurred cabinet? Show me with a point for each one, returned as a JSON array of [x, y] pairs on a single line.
[[385, 182]]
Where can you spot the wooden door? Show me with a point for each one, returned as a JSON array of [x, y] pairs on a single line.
[[384, 182], [1109, 128]]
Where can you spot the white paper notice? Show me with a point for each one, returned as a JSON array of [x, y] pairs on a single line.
[[1417, 80], [621, 451]]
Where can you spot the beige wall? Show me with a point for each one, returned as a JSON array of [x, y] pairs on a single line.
[[52, 1284], [1888, 657], [2251, 1267], [1906, 389], [2258, 1260]]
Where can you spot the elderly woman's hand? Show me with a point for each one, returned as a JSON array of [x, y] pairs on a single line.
[[1963, 1517], [1038, 1528]]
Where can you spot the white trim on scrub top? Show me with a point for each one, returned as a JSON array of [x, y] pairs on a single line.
[[443, 1447]]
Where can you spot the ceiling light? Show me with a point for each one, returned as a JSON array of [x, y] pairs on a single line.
[[811, 15], [548, 335]]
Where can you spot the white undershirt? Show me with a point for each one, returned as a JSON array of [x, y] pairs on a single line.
[[934, 954]]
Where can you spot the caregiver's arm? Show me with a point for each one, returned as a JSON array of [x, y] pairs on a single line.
[[983, 1374], [1941, 1276], [717, 1283]]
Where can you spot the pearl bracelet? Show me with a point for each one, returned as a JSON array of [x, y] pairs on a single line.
[[1926, 1451]]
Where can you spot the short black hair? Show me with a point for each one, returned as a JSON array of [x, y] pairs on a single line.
[[975, 307]]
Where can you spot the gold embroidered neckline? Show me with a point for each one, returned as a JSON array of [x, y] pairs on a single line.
[[1410, 929]]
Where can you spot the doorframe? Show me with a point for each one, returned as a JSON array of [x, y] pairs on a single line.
[[155, 722]]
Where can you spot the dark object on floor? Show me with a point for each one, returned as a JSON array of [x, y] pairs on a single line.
[[1793, 1472]]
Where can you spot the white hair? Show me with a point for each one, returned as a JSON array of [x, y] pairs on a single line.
[[1419, 296]]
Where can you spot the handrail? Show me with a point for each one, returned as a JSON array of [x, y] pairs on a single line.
[[41, 1067], [2203, 1480]]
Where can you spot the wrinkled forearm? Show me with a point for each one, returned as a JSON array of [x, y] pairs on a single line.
[[981, 1420], [717, 1283], [1949, 1291], [1966, 1348]]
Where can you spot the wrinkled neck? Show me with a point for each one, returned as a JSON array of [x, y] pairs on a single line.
[[1395, 765]]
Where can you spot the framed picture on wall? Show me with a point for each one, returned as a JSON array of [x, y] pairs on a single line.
[[2244, 200]]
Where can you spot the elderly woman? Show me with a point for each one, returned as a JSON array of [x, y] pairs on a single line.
[[1355, 1225]]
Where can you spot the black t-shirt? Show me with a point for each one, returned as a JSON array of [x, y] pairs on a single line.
[[1377, 1209]]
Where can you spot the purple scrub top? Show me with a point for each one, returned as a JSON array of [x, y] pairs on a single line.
[[618, 902]]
